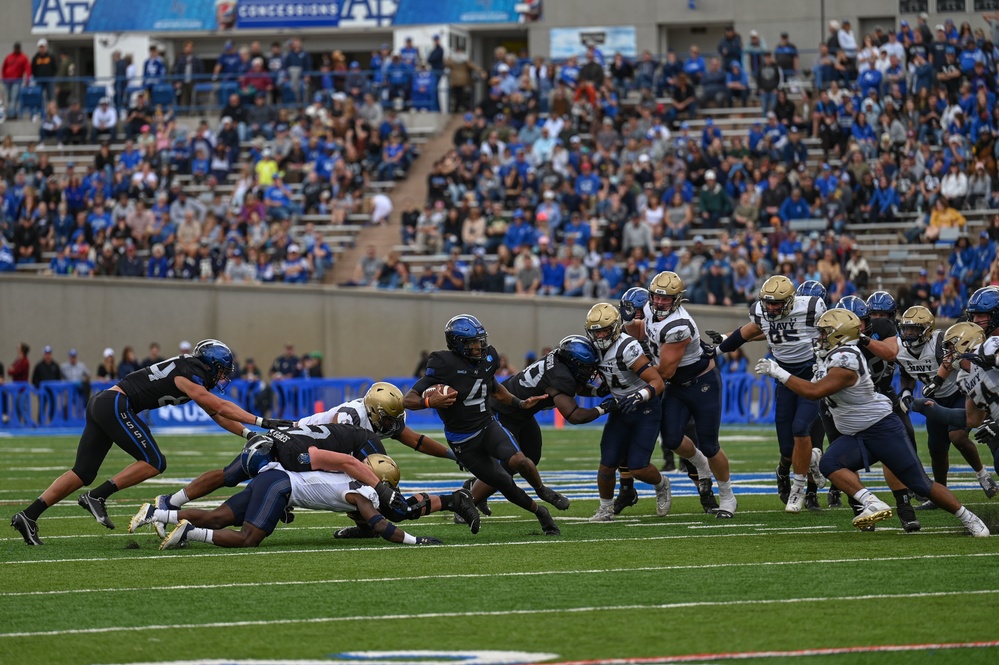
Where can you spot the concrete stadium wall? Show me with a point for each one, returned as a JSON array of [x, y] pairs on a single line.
[[359, 332]]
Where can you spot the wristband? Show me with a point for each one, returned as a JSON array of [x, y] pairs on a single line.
[[426, 402], [646, 393], [782, 374], [515, 402], [600, 411], [733, 341], [259, 422], [408, 539], [419, 442], [246, 433]]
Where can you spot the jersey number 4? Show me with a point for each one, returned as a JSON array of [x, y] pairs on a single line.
[[477, 395]]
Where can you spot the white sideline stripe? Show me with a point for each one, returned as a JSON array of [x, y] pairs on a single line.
[[416, 578], [488, 613]]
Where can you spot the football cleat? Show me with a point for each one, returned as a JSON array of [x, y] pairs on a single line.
[[356, 531], [813, 468], [464, 507], [783, 486], [603, 514], [926, 505], [142, 518], [548, 495], [177, 538], [835, 498], [976, 527], [95, 506], [548, 525], [873, 512], [669, 462], [162, 503], [727, 507], [988, 486], [664, 498], [628, 496], [795, 500], [907, 516], [707, 497], [483, 505], [28, 528], [812, 502], [289, 515]]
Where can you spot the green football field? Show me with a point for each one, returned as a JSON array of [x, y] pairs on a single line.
[[764, 587]]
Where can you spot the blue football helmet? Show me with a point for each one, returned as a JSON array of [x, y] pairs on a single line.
[[632, 302], [882, 302], [811, 287], [466, 337], [581, 357], [219, 359], [258, 452], [858, 307], [983, 308]]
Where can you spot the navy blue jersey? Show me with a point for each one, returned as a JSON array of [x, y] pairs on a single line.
[[293, 444], [155, 386], [547, 376], [474, 383]]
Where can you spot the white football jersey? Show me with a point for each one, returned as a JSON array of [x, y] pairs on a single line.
[[856, 407], [676, 327], [324, 490], [923, 366], [615, 365], [981, 385], [790, 338], [350, 413]]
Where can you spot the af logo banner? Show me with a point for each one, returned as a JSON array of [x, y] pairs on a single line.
[[54, 17]]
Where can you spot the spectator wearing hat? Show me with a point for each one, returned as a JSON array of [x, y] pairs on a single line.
[[715, 205], [47, 369], [979, 184], [954, 185], [44, 69], [730, 47], [937, 287], [295, 267], [74, 370], [108, 370], [738, 84], [754, 51], [786, 56]]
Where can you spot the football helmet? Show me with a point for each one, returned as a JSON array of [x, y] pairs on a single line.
[[383, 402], [633, 303], [259, 451], [963, 337], [836, 327], [466, 337], [668, 289], [384, 467], [882, 303], [915, 327], [777, 296], [983, 308], [603, 325], [578, 354], [858, 307], [811, 287], [219, 359]]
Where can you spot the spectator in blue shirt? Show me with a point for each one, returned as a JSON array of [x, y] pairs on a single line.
[[738, 85], [694, 66], [578, 229], [61, 263], [154, 69], [83, 266], [7, 256], [159, 265], [227, 65], [936, 288], [552, 276], [587, 182], [951, 305], [884, 202], [611, 272], [518, 233], [985, 255], [667, 258], [681, 185], [794, 207]]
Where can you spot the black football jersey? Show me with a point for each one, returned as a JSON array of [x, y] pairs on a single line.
[[535, 380], [154, 386], [474, 383], [294, 443], [882, 371]]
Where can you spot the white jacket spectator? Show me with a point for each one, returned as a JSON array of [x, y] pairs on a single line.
[[954, 185], [105, 117], [847, 41]]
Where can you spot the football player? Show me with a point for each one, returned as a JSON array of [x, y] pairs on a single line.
[[693, 386], [112, 420], [878, 343], [787, 323], [468, 369], [631, 431], [869, 430], [259, 507], [380, 411], [807, 289], [921, 357]]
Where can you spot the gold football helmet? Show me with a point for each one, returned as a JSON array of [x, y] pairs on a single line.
[[603, 325], [384, 467], [836, 327], [777, 296], [666, 294], [915, 327], [963, 337], [383, 402]]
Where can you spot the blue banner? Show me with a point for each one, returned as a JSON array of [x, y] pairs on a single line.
[[252, 14], [428, 12]]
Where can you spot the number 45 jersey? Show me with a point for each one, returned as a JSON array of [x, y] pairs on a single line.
[[980, 385], [790, 338], [474, 383], [152, 387]]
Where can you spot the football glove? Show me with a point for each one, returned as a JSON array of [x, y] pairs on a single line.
[[863, 340], [988, 433], [905, 401], [715, 336], [983, 360], [390, 497], [276, 423], [609, 405], [930, 388], [603, 390], [428, 540], [631, 401], [769, 367]]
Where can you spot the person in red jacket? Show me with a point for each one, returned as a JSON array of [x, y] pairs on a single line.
[[15, 73], [20, 368]]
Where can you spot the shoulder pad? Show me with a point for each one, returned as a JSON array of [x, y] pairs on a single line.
[[845, 358]]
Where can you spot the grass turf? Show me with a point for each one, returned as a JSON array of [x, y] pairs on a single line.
[[640, 587]]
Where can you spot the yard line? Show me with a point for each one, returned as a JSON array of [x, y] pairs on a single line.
[[743, 655], [491, 613], [416, 578]]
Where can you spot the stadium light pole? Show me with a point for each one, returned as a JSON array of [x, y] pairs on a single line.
[[822, 21]]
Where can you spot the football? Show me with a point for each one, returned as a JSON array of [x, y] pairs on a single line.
[[438, 388]]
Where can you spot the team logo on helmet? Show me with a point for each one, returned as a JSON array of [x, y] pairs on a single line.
[[963, 337], [836, 327]]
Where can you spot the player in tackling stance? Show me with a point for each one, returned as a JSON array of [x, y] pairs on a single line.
[[869, 430]]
